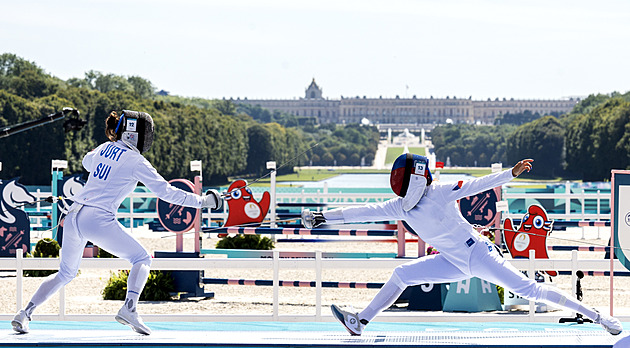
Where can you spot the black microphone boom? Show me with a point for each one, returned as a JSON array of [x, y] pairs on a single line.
[[7, 131]]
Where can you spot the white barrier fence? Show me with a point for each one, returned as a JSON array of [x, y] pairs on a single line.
[[318, 264], [599, 197]]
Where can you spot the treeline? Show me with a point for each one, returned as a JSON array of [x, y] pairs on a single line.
[[597, 136], [221, 134], [520, 118], [471, 146], [352, 145], [584, 144]]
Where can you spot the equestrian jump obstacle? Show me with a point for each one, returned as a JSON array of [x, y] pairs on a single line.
[[563, 223], [292, 283], [389, 230], [304, 231]]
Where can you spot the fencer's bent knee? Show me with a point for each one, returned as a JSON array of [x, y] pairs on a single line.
[[64, 276], [398, 276], [139, 256], [144, 260]]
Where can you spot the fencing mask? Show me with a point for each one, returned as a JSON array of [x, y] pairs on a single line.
[[409, 178], [135, 129]]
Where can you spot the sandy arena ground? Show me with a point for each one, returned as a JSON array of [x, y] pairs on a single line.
[[83, 295]]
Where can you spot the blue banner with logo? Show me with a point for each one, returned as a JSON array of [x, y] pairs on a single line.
[[15, 226]]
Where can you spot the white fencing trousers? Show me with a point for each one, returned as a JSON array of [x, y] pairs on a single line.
[[85, 223], [485, 263]]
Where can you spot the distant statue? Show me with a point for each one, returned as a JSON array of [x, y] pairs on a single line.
[[406, 137], [406, 134]]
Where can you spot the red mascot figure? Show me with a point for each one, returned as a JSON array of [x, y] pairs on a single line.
[[531, 235], [244, 209]]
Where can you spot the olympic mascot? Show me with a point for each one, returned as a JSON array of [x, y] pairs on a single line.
[[244, 209]]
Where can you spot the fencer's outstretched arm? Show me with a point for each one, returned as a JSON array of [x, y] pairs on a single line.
[[472, 187], [145, 173], [392, 209], [388, 210]]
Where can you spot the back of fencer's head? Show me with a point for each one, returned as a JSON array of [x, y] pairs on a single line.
[[134, 128]]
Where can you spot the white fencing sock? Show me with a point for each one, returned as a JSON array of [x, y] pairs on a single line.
[[138, 276], [30, 307], [386, 297], [555, 296]]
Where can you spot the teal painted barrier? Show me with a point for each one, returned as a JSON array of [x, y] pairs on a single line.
[[472, 295]]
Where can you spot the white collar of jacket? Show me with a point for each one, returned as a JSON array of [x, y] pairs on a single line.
[[415, 191], [133, 148]]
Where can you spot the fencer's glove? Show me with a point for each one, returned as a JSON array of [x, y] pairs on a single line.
[[311, 219], [212, 200]]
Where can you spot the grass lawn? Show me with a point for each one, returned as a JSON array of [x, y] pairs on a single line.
[[393, 152], [476, 172], [321, 174]]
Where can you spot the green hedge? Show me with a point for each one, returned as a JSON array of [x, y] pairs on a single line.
[[159, 286], [250, 241], [45, 247]]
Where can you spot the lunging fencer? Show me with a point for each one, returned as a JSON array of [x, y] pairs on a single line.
[[432, 212], [115, 168]]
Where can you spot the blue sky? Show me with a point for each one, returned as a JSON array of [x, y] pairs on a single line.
[[273, 49]]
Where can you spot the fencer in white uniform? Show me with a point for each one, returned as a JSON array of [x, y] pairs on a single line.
[[114, 167], [431, 210]]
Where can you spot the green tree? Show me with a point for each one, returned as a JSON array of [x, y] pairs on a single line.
[[215, 132], [260, 149], [597, 141], [471, 145], [327, 159], [579, 145], [142, 87], [611, 134], [517, 119], [28, 154], [587, 105], [225, 107], [111, 82], [25, 79], [542, 140]]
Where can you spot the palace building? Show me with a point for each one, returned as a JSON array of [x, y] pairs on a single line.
[[416, 111]]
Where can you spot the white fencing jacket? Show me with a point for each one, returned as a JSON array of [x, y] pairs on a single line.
[[115, 170], [436, 218]]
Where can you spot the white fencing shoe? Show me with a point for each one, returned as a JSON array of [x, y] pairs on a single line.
[[133, 320], [349, 320], [610, 324], [20, 322]]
